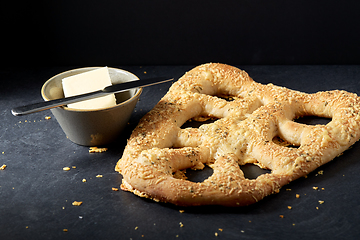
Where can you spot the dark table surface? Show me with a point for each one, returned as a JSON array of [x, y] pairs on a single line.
[[36, 195]]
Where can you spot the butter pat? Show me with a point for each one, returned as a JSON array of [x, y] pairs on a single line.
[[89, 82]]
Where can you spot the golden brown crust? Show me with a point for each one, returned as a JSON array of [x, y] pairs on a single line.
[[243, 133]]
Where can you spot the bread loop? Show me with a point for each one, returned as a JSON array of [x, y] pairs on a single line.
[[243, 132]]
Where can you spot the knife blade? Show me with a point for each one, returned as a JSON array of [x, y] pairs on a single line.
[[116, 88]]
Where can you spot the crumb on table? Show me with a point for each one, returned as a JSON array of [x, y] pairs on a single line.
[[97, 150], [76, 203]]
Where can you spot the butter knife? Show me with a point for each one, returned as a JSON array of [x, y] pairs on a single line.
[[116, 88]]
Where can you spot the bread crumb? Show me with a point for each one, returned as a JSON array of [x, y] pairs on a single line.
[[99, 176], [84, 180], [181, 224], [181, 211], [317, 208], [288, 189], [216, 234], [315, 188], [297, 195], [321, 172], [73, 167], [97, 150], [281, 216], [47, 117], [65, 230], [321, 202], [3, 167], [66, 168], [76, 203], [322, 188], [220, 229], [115, 189], [136, 228], [289, 207]]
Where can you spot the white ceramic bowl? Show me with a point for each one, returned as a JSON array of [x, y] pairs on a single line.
[[93, 127]]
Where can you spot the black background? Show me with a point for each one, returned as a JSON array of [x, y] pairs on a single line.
[[143, 32]]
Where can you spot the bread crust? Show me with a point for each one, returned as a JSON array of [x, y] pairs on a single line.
[[243, 133]]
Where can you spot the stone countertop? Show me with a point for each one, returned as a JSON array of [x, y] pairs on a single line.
[[36, 194]]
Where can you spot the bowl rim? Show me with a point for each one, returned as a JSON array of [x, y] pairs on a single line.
[[134, 97]]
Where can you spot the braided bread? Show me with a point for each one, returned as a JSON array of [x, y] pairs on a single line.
[[243, 133]]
